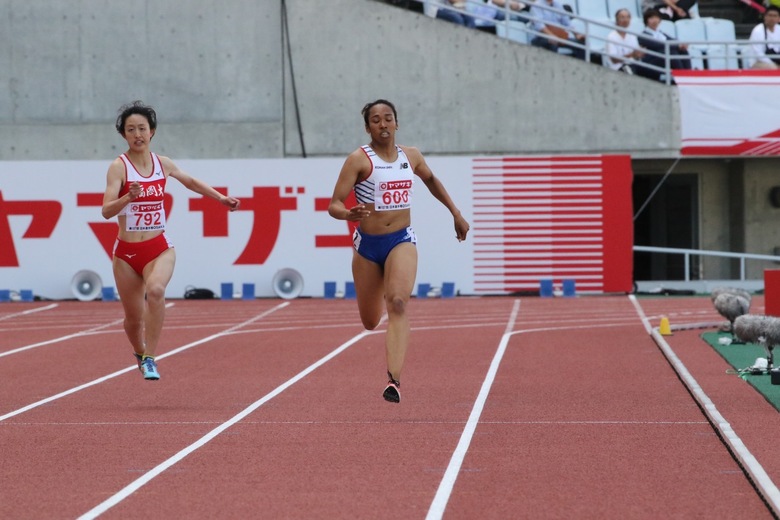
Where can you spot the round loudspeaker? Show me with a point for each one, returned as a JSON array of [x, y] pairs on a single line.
[[86, 285], [287, 283]]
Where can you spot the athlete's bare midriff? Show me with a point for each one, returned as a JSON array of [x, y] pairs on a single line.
[[134, 236], [383, 222]]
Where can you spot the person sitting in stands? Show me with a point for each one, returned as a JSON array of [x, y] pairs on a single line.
[[656, 43], [514, 7], [766, 38], [445, 13], [622, 47], [553, 28], [486, 14], [670, 9]]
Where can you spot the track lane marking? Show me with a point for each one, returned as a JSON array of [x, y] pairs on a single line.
[[160, 468], [763, 482], [180, 423], [436, 511], [439, 504], [78, 334], [29, 311], [135, 367]]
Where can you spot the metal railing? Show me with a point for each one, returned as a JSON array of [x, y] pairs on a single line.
[[725, 54], [687, 253]]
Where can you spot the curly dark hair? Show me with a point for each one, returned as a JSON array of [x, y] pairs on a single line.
[[136, 107], [368, 106]]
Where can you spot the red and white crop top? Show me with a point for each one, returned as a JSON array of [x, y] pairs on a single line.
[[146, 213]]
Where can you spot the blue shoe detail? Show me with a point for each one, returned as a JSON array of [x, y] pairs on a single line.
[[139, 358], [149, 368]]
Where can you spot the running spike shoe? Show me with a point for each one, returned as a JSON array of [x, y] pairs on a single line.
[[392, 392], [149, 368]]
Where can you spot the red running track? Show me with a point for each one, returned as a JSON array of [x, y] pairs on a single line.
[[511, 408]]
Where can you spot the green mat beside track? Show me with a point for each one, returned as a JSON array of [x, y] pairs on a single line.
[[742, 356]]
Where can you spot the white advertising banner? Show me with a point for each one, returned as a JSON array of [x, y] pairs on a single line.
[[532, 218], [729, 112], [51, 226]]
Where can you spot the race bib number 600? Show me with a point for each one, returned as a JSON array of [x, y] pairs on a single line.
[[393, 195], [145, 216]]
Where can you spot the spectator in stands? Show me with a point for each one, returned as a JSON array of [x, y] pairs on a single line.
[[514, 8], [766, 38], [656, 44], [486, 12], [461, 18], [670, 9], [548, 19], [622, 47]]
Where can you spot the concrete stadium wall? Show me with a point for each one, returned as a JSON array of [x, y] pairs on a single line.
[[220, 78], [212, 70], [464, 91], [762, 234]]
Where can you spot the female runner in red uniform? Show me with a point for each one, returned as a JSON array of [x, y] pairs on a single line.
[[384, 263], [143, 255]]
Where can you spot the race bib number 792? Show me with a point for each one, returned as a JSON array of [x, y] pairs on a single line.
[[145, 216]]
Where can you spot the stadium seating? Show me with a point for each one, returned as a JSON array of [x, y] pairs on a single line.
[[596, 33], [637, 25], [593, 9], [614, 5], [693, 30], [719, 29], [718, 54], [513, 30], [721, 56], [668, 28]]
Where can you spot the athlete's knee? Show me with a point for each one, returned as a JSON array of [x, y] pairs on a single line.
[[396, 304], [370, 322], [155, 292]]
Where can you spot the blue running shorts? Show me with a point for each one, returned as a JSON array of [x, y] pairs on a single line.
[[377, 247]]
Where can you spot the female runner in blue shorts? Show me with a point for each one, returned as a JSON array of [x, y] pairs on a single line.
[[384, 263], [143, 255]]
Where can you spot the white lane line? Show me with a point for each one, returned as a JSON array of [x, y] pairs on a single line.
[[154, 472], [394, 421], [60, 339], [78, 334], [436, 511], [135, 367], [758, 475], [28, 311]]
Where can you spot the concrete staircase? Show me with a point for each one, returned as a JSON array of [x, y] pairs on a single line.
[[743, 16]]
